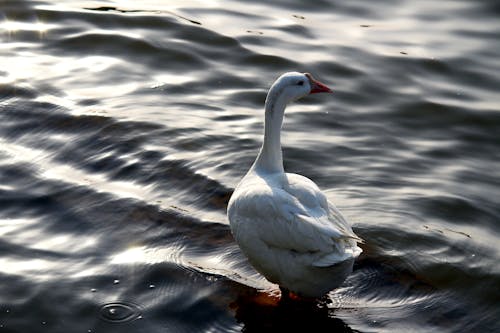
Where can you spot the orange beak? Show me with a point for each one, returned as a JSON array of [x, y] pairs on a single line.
[[316, 86]]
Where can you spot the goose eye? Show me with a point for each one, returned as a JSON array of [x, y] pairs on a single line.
[[300, 83]]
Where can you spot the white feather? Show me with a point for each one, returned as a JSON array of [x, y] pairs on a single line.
[[282, 222]]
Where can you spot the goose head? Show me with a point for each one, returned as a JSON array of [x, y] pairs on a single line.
[[292, 86]]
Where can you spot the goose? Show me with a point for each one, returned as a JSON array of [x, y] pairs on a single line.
[[285, 226]]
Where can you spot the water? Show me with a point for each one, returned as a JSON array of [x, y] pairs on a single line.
[[125, 126]]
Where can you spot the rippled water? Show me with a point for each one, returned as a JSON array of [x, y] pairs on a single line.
[[125, 126]]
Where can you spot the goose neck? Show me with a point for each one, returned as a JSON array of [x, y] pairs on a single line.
[[270, 157]]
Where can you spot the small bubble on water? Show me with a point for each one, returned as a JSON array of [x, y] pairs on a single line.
[[93, 290], [116, 281], [152, 286], [44, 322]]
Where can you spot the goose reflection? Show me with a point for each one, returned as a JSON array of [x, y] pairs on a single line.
[[286, 316]]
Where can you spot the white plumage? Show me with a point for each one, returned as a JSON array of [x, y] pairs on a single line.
[[282, 222]]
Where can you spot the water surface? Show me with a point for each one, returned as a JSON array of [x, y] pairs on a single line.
[[125, 126]]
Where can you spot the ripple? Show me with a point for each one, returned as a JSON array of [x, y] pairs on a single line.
[[120, 312]]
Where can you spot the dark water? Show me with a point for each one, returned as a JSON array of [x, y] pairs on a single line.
[[125, 126]]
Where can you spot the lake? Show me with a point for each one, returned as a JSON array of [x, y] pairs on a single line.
[[125, 126]]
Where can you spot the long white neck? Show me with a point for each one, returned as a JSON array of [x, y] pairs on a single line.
[[270, 157]]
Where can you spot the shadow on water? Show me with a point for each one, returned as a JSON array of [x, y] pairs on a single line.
[[295, 316]]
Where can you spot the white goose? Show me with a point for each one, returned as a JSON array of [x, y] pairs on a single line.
[[282, 222]]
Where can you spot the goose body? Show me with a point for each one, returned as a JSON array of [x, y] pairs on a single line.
[[282, 222]]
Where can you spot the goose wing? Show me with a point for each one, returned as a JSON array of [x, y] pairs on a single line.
[[311, 197], [282, 219]]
